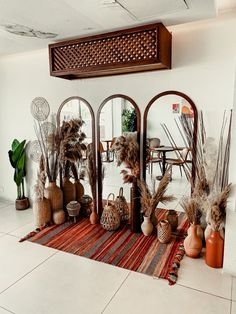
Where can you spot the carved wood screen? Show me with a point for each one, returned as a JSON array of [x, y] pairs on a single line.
[[131, 50]]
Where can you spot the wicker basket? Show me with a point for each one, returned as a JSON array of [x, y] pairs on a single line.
[[110, 219], [164, 231], [122, 206]]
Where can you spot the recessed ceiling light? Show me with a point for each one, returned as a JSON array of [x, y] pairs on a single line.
[[22, 30]]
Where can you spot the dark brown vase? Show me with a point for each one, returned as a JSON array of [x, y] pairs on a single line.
[[79, 190], [135, 215], [214, 250], [172, 217], [69, 191], [55, 196], [22, 204]]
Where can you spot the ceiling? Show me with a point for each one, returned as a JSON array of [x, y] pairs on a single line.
[[27, 25]]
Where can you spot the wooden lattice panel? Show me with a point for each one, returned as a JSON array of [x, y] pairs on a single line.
[[131, 50]]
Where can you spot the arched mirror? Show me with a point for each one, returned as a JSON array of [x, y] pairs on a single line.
[[81, 162], [170, 133], [118, 131]]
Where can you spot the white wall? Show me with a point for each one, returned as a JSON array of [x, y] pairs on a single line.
[[204, 56]]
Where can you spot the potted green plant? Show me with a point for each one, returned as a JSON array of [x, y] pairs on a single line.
[[17, 157]]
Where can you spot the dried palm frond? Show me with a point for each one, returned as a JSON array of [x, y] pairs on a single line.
[[41, 180], [91, 170], [150, 199]]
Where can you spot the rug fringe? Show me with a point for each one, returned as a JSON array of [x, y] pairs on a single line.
[[173, 273]]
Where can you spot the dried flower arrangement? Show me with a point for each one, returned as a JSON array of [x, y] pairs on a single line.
[[126, 149], [192, 210], [150, 199]]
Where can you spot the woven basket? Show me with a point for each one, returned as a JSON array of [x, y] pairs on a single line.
[[110, 219], [164, 231], [122, 206]]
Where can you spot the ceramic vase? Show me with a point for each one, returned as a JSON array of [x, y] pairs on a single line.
[[79, 190], [86, 205], [200, 232], [172, 218], [164, 231], [208, 230], [69, 191], [42, 212], [55, 196], [94, 218], [147, 226], [193, 243], [214, 250]]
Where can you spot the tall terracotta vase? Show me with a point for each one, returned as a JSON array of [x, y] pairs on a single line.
[[193, 243], [214, 250], [146, 226], [94, 218], [79, 190], [55, 196], [42, 212], [69, 191]]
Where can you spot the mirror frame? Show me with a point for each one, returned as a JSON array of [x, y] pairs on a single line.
[[195, 124], [92, 118], [99, 161]]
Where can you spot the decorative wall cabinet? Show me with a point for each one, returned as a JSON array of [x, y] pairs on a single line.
[[136, 49]]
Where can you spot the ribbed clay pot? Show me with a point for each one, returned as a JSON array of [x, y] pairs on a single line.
[[193, 243], [42, 212], [147, 226], [79, 190], [55, 196], [69, 191], [214, 250]]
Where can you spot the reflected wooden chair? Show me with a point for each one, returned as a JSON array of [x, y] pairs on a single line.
[[154, 156], [180, 162]]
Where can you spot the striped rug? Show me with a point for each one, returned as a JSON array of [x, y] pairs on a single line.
[[121, 248]]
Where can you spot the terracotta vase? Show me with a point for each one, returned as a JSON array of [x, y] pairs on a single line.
[[193, 243], [42, 212], [79, 190], [214, 250], [147, 226], [200, 232], [164, 231], [208, 230], [69, 191], [94, 218], [58, 217], [55, 196], [172, 217]]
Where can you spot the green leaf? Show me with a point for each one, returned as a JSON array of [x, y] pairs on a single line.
[[10, 153], [18, 152], [18, 177], [14, 144], [21, 162]]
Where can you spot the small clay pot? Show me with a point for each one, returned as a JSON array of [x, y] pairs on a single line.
[[22, 203], [58, 217]]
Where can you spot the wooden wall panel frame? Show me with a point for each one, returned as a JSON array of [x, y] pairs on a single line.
[[166, 93], [136, 49], [100, 205]]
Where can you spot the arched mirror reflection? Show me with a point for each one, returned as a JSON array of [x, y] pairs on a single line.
[[168, 118], [118, 134], [75, 118]]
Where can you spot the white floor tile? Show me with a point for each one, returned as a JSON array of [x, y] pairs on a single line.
[[4, 311], [12, 219], [194, 273], [17, 259], [142, 294], [65, 284], [24, 230], [234, 289], [4, 203], [233, 309]]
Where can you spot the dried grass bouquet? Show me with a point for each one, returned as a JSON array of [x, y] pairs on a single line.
[[150, 199]]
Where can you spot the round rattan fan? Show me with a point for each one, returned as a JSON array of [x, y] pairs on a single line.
[[40, 108], [48, 128], [34, 151]]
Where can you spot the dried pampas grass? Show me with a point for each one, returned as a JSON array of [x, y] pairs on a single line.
[[150, 199], [41, 180], [191, 208]]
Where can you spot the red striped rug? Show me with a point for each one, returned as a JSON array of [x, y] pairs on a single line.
[[121, 248]]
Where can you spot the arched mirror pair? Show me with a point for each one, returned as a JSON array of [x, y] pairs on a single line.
[[118, 124]]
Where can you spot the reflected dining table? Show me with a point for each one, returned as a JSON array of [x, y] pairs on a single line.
[[164, 150]]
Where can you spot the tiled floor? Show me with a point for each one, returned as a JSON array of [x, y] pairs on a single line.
[[39, 280]]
